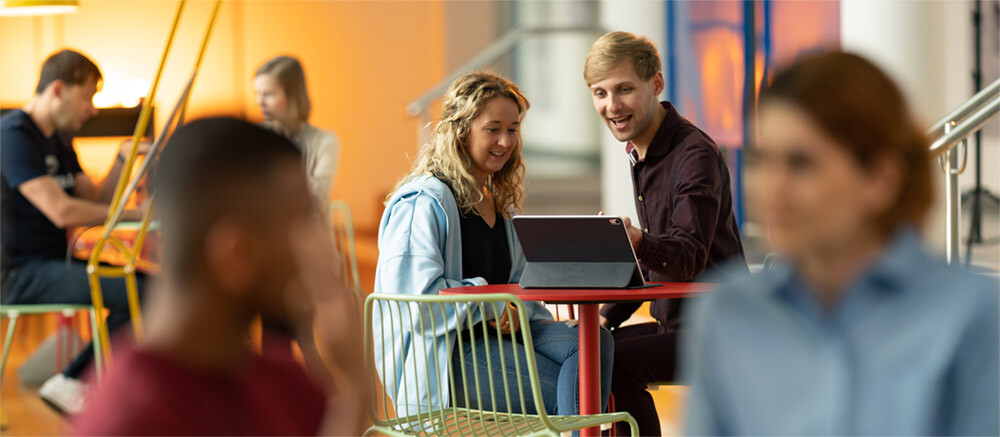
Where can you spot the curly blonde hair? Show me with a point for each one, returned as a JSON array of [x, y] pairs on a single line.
[[446, 157]]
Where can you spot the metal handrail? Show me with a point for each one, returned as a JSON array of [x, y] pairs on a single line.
[[986, 95], [491, 53], [953, 129], [961, 130]]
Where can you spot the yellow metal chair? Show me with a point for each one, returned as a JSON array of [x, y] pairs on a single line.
[[123, 189], [404, 318]]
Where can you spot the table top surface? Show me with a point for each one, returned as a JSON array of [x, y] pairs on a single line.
[[662, 290]]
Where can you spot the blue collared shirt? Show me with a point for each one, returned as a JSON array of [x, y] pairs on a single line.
[[911, 348]]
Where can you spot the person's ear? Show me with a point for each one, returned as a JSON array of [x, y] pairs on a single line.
[[57, 87], [229, 258], [658, 83]]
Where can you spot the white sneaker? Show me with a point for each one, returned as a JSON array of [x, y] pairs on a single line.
[[65, 395]]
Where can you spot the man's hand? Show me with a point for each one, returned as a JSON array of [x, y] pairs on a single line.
[[604, 323], [338, 325], [634, 233], [509, 321]]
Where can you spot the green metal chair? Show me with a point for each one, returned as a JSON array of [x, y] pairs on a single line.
[[342, 227], [13, 312], [399, 311], [343, 232]]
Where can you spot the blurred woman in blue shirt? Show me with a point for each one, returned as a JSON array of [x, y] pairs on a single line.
[[858, 331]]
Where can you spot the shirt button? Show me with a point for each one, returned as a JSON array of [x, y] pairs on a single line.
[[646, 230], [664, 264], [640, 198]]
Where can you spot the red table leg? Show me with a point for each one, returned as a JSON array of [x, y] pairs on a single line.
[[590, 364]]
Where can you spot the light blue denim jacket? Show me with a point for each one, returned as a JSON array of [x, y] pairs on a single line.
[[420, 252]]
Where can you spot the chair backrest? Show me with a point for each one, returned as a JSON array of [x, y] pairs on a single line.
[[342, 226], [559, 309], [409, 331]]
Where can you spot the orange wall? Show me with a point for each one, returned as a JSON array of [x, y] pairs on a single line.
[[364, 61]]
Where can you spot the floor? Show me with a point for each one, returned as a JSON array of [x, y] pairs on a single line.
[[27, 415], [24, 411]]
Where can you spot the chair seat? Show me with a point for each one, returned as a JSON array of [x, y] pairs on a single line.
[[653, 386], [44, 308], [461, 421]]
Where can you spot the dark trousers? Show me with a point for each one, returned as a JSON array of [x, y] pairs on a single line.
[[643, 354], [49, 281]]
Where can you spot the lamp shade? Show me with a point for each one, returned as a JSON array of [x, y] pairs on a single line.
[[10, 8]]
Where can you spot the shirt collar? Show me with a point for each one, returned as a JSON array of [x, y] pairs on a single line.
[[661, 143], [890, 272], [633, 155]]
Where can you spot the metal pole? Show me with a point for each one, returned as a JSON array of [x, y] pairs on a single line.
[[976, 233], [423, 130], [589, 344], [952, 201], [749, 101]]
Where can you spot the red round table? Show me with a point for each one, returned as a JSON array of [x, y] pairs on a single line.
[[589, 300]]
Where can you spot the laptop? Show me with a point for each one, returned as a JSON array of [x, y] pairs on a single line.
[[580, 251]]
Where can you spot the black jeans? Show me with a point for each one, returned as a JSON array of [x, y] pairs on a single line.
[[644, 354], [48, 281]]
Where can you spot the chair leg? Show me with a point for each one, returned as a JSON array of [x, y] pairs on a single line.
[[11, 325], [95, 340], [633, 425], [63, 346], [611, 409]]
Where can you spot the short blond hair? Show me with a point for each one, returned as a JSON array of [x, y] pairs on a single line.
[[614, 48]]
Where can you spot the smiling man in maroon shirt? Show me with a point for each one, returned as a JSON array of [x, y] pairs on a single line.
[[685, 207]]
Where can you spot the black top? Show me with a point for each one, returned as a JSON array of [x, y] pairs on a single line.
[[485, 252], [685, 210], [26, 154]]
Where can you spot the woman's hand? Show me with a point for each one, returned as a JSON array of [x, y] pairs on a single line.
[[509, 322]]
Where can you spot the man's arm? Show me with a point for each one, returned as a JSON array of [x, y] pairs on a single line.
[[682, 252], [60, 208], [337, 324], [86, 188]]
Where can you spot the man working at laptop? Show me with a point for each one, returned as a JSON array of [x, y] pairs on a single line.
[[684, 205], [43, 192]]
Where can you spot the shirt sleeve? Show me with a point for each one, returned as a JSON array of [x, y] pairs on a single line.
[[702, 416], [411, 259], [20, 159], [325, 167], [682, 252]]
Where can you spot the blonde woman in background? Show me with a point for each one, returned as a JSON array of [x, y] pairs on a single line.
[[280, 85]]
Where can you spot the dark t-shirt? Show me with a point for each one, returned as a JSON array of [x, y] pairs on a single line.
[[147, 394], [485, 252], [25, 154]]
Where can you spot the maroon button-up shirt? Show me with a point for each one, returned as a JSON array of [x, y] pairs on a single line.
[[685, 207]]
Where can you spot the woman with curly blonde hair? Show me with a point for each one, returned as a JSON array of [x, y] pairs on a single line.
[[447, 224]]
